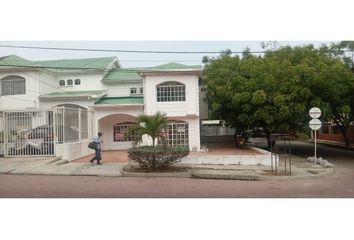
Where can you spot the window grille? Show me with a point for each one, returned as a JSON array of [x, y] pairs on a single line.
[[13, 85], [120, 132], [177, 134], [171, 92]]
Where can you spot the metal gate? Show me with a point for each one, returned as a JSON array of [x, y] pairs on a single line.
[[28, 133]]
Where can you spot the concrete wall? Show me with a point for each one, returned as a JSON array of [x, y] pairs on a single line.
[[47, 77], [122, 90], [89, 81], [263, 159], [72, 151]]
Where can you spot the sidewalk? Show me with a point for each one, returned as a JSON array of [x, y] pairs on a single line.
[[301, 169], [333, 143]]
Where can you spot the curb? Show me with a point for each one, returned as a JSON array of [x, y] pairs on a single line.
[[156, 175]]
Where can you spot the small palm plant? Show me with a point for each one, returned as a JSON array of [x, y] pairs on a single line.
[[154, 158], [151, 125]]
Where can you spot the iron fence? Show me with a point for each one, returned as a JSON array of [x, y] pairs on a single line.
[[36, 132]]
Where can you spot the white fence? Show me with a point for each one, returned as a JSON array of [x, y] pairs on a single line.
[[38, 132]]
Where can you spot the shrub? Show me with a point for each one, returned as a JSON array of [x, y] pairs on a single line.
[[302, 136], [157, 158]]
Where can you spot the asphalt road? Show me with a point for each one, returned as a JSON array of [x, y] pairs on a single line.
[[341, 184]]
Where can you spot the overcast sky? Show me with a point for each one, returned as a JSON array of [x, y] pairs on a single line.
[[137, 59]]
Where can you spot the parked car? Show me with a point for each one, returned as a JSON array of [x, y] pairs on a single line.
[[40, 140], [46, 133]]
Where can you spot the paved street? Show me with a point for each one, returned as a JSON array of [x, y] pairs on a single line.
[[341, 184]]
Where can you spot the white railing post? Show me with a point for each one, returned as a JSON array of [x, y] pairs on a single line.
[[64, 140], [80, 130]]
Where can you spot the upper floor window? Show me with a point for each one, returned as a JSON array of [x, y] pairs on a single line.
[[13, 85], [171, 92], [141, 90], [133, 91], [69, 82], [77, 81], [62, 83]]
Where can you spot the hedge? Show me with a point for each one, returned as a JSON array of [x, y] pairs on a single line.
[[157, 158]]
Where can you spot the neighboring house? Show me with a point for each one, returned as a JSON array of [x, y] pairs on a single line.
[[114, 95], [332, 133]]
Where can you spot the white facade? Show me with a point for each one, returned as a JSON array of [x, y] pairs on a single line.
[[112, 103]]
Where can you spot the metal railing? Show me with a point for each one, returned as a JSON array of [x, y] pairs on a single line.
[[36, 132], [216, 131]]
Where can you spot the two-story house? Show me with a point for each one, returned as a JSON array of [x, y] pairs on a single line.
[[114, 95]]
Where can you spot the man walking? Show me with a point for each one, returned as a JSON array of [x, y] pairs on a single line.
[[98, 142]]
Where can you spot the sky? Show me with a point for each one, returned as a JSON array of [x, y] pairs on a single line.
[[137, 59]]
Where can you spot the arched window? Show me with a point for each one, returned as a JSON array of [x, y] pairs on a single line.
[[13, 85], [133, 91], [120, 132], [177, 134], [69, 82], [171, 92], [77, 81], [62, 83]]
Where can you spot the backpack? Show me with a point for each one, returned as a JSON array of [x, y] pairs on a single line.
[[92, 145]]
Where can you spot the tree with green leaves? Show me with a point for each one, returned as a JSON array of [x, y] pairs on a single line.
[[254, 91], [276, 90]]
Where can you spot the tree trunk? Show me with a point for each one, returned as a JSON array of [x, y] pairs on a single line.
[[344, 133], [154, 157], [268, 140]]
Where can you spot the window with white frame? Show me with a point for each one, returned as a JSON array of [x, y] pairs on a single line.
[[120, 131], [171, 92], [77, 81], [13, 85], [141, 90], [133, 91], [61, 82], [177, 134], [69, 82]]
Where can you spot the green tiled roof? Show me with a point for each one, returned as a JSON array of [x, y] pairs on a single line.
[[175, 66], [132, 74], [75, 94], [14, 60], [101, 63], [121, 100], [121, 75]]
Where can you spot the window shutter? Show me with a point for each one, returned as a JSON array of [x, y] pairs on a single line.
[[7, 87], [19, 86]]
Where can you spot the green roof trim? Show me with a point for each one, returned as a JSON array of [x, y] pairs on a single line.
[[122, 75], [121, 100], [75, 94], [96, 63]]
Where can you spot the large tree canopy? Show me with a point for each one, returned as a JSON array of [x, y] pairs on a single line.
[[276, 90]]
